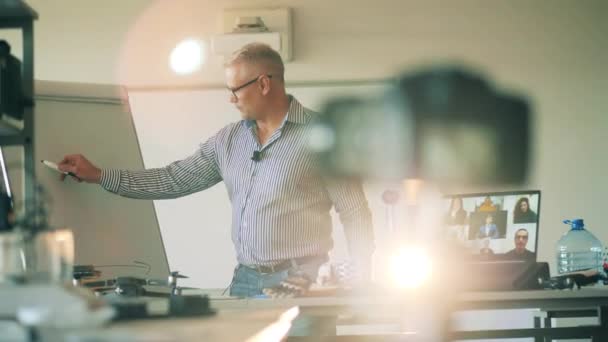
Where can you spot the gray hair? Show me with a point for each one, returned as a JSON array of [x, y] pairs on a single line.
[[260, 54]]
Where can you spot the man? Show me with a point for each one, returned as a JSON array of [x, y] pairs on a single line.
[[520, 252], [489, 229], [280, 204], [485, 250]]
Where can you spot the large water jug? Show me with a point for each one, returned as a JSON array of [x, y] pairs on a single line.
[[578, 249]]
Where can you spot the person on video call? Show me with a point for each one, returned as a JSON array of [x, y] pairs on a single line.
[[280, 205], [485, 250], [487, 205], [488, 230], [522, 213], [520, 252], [457, 215]]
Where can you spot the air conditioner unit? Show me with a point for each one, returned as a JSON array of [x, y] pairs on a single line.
[[226, 44], [241, 27]]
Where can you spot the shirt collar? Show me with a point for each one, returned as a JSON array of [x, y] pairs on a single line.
[[296, 113]]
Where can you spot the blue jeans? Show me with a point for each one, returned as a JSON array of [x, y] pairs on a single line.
[[248, 282]]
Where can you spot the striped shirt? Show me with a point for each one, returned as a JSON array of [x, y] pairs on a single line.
[[280, 203]]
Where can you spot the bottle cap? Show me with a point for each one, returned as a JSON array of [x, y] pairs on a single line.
[[576, 224]]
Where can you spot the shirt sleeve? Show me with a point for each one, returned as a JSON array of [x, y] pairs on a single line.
[[183, 177], [351, 205]]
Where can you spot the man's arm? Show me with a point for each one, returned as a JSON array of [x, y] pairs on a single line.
[[350, 203], [194, 173]]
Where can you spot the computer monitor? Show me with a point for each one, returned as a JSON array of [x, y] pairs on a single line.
[[495, 226]]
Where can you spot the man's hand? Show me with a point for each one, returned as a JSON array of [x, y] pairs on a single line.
[[293, 286], [81, 168]]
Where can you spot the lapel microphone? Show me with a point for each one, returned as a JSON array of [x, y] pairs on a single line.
[[257, 156]]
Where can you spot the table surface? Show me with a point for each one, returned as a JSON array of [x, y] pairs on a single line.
[[240, 319], [240, 325], [533, 299]]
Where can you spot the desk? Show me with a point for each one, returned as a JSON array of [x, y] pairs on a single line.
[[368, 308], [66, 316], [248, 325]]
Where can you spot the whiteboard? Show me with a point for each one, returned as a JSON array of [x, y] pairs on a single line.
[[196, 229]]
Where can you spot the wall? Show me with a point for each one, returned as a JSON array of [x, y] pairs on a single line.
[[525, 43], [555, 51]]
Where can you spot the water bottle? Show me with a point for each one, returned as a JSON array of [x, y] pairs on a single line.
[[578, 249]]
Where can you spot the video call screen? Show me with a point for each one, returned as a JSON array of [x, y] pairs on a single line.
[[495, 226]]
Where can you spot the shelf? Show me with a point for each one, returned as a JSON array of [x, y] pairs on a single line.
[[16, 14], [7, 129], [16, 10], [14, 132]]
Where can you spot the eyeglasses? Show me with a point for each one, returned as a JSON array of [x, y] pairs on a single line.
[[234, 90]]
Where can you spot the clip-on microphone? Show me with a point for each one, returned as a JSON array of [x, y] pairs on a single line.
[[257, 156]]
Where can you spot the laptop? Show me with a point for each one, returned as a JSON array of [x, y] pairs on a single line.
[[500, 231], [495, 226]]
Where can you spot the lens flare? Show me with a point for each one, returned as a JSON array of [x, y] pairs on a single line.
[[187, 57], [411, 267]]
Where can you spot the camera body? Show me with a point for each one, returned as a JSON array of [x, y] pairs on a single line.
[[445, 125]]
